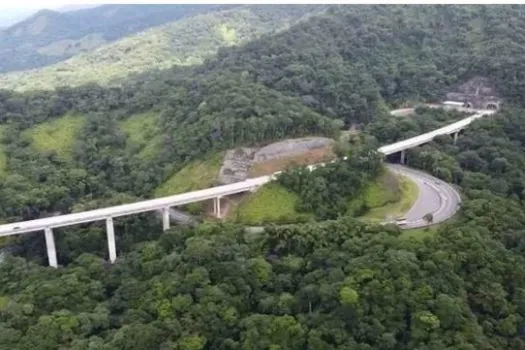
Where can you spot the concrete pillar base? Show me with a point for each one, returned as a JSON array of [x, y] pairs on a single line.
[[217, 207], [51, 250], [110, 231], [403, 157], [166, 219]]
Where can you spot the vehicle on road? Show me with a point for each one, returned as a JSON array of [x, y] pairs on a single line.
[[401, 221]]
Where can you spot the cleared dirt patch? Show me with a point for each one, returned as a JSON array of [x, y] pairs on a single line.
[[242, 163], [313, 156]]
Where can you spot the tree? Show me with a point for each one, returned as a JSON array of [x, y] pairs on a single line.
[[429, 218], [348, 296]]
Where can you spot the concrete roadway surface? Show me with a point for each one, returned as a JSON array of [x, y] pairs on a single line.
[[435, 196]]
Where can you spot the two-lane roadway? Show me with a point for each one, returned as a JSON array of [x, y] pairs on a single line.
[[435, 196]]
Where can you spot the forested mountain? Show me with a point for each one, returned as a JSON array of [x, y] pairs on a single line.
[[336, 284], [190, 119], [185, 42], [351, 59], [50, 36], [343, 66]]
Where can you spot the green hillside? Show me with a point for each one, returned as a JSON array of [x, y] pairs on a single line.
[[49, 36], [327, 70], [197, 175], [142, 132], [58, 135], [270, 204], [389, 198], [188, 41], [386, 198], [3, 157], [333, 283]]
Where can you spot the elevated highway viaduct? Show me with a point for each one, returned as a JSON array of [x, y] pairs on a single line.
[[46, 225]]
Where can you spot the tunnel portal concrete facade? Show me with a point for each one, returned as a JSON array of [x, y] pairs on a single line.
[[476, 93]]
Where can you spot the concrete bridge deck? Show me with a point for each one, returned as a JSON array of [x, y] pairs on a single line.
[[429, 136]]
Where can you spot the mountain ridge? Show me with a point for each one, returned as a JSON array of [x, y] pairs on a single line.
[[21, 43], [184, 42]]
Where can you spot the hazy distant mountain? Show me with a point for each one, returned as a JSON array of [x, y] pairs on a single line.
[[184, 42], [76, 7], [8, 16], [11, 16], [51, 36]]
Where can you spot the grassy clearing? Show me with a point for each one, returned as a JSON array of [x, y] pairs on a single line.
[[229, 35], [143, 133], [271, 203], [196, 175], [151, 148], [140, 128], [57, 135], [390, 197]]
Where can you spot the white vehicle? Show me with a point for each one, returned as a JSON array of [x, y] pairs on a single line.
[[401, 222]]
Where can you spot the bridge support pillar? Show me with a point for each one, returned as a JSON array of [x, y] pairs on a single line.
[[403, 157], [217, 207], [110, 231], [51, 250], [456, 134], [166, 219]]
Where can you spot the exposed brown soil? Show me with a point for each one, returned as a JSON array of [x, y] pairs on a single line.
[[309, 157], [243, 163]]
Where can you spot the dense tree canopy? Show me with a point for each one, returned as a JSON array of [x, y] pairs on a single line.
[[338, 284], [327, 191]]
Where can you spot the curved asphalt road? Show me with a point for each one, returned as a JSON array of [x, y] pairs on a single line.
[[435, 196]]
